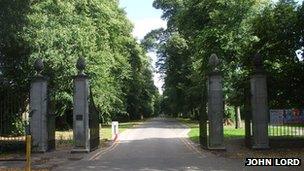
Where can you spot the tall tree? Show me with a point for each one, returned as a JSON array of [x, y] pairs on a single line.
[[235, 30], [221, 27], [60, 32]]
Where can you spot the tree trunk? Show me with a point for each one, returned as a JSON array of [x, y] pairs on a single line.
[[238, 117]]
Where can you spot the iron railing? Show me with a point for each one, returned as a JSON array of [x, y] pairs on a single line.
[[93, 123], [286, 123], [13, 116], [13, 110]]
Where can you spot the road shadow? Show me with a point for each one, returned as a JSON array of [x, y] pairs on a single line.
[[154, 154], [158, 154]]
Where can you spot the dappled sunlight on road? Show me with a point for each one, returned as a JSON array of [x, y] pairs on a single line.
[[138, 134], [156, 145], [154, 129]]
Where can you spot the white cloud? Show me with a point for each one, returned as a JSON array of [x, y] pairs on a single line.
[[144, 26]]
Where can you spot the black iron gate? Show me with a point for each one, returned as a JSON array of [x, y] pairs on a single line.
[[93, 124], [248, 117], [14, 102], [13, 110]]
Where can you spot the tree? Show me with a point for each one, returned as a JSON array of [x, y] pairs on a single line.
[[60, 32], [221, 27], [279, 28], [235, 30]]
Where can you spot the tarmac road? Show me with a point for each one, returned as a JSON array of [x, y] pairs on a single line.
[[157, 145]]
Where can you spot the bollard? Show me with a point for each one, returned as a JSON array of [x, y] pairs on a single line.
[[114, 130], [28, 152]]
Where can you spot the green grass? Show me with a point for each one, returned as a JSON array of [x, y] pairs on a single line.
[[236, 149], [106, 132], [194, 134], [65, 138], [229, 131]]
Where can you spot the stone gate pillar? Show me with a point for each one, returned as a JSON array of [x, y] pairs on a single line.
[[41, 125], [81, 109], [215, 105], [259, 105]]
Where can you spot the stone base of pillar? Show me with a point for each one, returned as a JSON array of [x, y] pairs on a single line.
[[261, 147], [218, 148], [80, 150], [39, 151]]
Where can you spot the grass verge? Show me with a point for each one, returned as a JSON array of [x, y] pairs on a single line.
[[235, 146], [64, 139], [229, 131], [106, 132]]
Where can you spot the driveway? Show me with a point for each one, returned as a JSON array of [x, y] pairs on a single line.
[[157, 145]]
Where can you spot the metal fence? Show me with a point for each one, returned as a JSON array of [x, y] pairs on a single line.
[[13, 110], [287, 123], [13, 116], [286, 131], [93, 123]]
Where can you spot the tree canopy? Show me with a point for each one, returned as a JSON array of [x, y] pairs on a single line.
[[235, 30], [60, 32]]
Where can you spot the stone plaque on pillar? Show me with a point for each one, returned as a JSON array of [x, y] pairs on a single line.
[[259, 105], [41, 124], [215, 106]]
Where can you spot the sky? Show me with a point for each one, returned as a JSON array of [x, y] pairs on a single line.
[[145, 18]]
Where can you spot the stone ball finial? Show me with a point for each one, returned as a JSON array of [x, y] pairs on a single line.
[[214, 62], [38, 65], [81, 64]]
